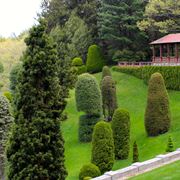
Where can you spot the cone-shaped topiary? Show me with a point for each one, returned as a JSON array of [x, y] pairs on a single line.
[[135, 153], [157, 115], [103, 147], [36, 147], [121, 133], [88, 95], [5, 124], [95, 59], [109, 98], [89, 170], [105, 72], [86, 125], [170, 146]]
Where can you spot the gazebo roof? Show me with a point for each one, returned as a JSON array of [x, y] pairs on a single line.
[[170, 38]]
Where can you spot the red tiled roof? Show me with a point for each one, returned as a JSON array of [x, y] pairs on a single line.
[[170, 38]]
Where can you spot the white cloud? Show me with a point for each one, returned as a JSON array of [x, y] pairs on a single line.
[[17, 15]]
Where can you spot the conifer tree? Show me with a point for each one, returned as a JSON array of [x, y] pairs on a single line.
[[135, 153], [36, 147], [109, 98], [5, 124]]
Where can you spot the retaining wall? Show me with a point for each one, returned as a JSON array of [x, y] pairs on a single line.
[[141, 167]]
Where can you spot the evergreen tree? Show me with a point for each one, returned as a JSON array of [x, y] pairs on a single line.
[[170, 145], [109, 98], [135, 153], [157, 115], [118, 31], [5, 124], [121, 133], [36, 147], [103, 147]]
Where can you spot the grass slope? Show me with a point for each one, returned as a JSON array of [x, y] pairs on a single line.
[[171, 171], [131, 93], [10, 52]]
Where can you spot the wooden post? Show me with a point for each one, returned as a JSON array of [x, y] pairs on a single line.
[[168, 53], [154, 53], [161, 52], [176, 52]]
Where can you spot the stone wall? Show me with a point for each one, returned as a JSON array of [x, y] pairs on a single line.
[[141, 167]]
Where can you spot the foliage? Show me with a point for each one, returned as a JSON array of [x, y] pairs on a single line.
[[105, 72], [8, 95], [77, 62], [170, 145], [109, 98], [88, 95], [135, 153], [162, 16], [89, 170], [121, 133], [1, 67], [14, 77], [157, 115], [171, 74], [118, 31], [95, 59], [36, 149], [86, 125], [103, 147], [5, 124]]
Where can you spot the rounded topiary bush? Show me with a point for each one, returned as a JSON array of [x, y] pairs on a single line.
[[81, 69], [95, 59], [89, 170], [103, 147], [86, 125], [121, 133], [109, 98], [157, 115], [77, 61], [88, 95], [106, 71]]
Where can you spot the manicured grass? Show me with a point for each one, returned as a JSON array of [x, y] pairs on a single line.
[[171, 171], [131, 93]]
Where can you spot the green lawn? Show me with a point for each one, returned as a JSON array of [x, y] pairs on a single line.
[[131, 93], [170, 172]]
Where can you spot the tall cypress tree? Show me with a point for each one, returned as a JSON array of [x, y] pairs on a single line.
[[36, 147], [118, 30]]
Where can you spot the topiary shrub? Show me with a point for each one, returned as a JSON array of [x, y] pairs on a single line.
[[135, 153], [109, 98], [121, 133], [77, 61], [86, 125], [103, 147], [88, 95], [105, 72], [5, 123], [89, 170], [95, 59], [170, 145], [157, 115]]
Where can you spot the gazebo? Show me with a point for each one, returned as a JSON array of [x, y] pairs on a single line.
[[166, 50]]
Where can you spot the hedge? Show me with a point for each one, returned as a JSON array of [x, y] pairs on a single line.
[[171, 74], [86, 125]]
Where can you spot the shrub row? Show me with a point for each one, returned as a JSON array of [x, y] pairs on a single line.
[[171, 74]]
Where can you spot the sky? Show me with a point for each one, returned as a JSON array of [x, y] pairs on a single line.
[[17, 16]]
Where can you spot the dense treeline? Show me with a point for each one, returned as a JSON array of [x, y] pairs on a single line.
[[120, 28]]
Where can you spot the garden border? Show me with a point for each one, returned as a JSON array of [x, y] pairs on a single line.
[[141, 167]]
